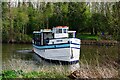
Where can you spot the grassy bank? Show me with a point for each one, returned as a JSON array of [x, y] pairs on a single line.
[[83, 72], [87, 71], [58, 71], [88, 37], [32, 74], [29, 69]]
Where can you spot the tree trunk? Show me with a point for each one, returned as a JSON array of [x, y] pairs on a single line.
[[96, 32], [11, 25], [91, 31], [47, 23]]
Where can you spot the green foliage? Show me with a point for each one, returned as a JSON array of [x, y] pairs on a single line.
[[0, 77], [9, 74], [116, 21], [77, 16], [20, 21], [99, 22], [23, 38], [33, 74]]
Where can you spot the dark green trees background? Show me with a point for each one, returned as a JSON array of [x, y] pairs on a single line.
[[20, 19]]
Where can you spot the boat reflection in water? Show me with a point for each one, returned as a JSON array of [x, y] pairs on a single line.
[[48, 64]]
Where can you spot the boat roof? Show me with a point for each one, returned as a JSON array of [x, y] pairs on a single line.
[[61, 27], [71, 31], [46, 30], [36, 32], [43, 30], [49, 30]]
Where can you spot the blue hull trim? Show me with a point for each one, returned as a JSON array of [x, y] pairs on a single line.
[[58, 61], [55, 46]]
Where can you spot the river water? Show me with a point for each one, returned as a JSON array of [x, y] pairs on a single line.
[[19, 56]]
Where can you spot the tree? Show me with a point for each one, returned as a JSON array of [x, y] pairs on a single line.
[[77, 16], [116, 20], [99, 23]]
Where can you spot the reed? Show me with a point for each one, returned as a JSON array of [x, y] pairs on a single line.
[[95, 72], [30, 70], [107, 69]]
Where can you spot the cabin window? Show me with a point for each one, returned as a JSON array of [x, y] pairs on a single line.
[[58, 30], [70, 35], [64, 30], [47, 36], [37, 40]]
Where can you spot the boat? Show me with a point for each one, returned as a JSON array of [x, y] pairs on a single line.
[[57, 44]]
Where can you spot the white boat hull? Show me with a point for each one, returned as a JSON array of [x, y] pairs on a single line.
[[58, 54], [70, 53]]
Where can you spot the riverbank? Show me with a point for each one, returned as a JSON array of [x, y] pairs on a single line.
[[84, 72], [32, 74], [96, 72], [110, 69]]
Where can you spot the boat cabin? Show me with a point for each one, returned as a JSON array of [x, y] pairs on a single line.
[[48, 36]]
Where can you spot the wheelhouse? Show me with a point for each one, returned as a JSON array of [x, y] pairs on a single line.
[[42, 37]]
